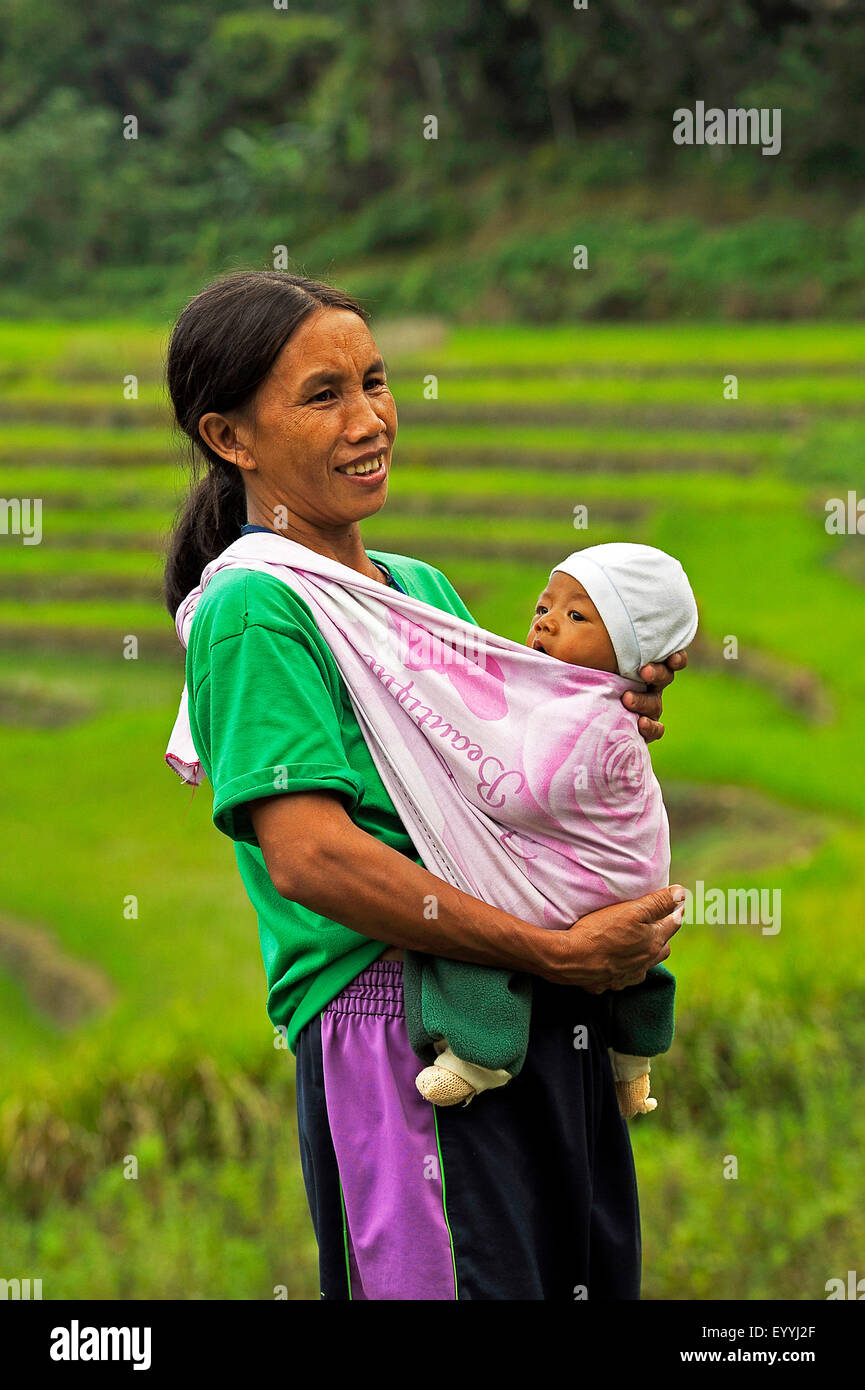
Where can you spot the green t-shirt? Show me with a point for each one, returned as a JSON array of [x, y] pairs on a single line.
[[266, 694]]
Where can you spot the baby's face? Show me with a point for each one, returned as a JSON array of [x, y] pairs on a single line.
[[567, 625]]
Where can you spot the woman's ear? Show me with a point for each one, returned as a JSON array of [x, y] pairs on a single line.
[[221, 435]]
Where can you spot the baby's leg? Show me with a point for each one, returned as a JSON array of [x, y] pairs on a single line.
[[470, 1022], [451, 1079]]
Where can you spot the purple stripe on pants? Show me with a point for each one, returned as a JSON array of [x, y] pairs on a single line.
[[384, 1136]]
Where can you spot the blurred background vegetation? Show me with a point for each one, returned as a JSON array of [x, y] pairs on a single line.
[[146, 1035], [259, 127]]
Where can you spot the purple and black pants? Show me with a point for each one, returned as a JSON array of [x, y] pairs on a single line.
[[528, 1192]]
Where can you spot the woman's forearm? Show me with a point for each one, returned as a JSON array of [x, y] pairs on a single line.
[[383, 894], [355, 879]]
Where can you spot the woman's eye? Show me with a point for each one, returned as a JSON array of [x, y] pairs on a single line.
[[376, 382]]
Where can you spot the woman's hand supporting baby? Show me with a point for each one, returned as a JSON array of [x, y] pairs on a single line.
[[615, 946], [647, 704]]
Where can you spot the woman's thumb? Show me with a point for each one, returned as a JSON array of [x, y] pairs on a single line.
[[665, 901]]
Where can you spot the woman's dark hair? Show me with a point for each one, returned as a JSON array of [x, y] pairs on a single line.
[[222, 347]]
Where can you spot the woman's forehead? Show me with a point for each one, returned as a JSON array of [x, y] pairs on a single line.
[[329, 344], [331, 330]]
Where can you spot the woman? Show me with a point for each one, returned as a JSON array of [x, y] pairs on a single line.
[[278, 384]]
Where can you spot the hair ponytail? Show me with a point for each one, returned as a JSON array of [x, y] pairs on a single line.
[[222, 348], [213, 515]]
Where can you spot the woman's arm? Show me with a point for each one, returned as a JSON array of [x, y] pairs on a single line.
[[318, 857]]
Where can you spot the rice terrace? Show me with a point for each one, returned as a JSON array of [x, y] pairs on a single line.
[[728, 445]]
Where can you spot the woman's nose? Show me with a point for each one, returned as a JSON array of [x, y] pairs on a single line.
[[364, 417]]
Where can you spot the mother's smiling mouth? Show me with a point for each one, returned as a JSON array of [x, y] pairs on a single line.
[[370, 465]]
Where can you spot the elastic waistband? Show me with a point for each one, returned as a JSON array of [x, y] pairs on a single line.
[[377, 990]]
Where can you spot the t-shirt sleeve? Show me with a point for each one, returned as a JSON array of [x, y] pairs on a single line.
[[453, 600], [265, 723], [460, 609]]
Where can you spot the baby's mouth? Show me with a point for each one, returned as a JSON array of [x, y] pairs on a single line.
[[538, 646]]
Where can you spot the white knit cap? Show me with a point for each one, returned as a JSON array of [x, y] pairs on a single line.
[[643, 597]]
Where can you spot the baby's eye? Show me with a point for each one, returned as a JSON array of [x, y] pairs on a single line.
[[540, 609], [574, 614]]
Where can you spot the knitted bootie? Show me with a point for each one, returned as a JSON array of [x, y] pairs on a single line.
[[443, 1087], [634, 1098]]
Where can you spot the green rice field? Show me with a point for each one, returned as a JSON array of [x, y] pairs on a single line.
[[131, 988]]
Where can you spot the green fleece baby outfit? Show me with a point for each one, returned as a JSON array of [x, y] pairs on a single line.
[[485, 1013]]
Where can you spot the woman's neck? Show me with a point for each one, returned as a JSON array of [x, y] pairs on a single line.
[[345, 549]]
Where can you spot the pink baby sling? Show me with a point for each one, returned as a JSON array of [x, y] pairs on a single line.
[[520, 779]]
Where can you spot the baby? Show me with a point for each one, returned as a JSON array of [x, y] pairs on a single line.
[[615, 608]]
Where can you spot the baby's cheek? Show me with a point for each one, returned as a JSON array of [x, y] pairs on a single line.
[[576, 652]]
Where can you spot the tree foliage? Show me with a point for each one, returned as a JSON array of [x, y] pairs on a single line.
[[258, 122]]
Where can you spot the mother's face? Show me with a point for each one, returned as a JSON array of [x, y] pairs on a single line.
[[324, 404]]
